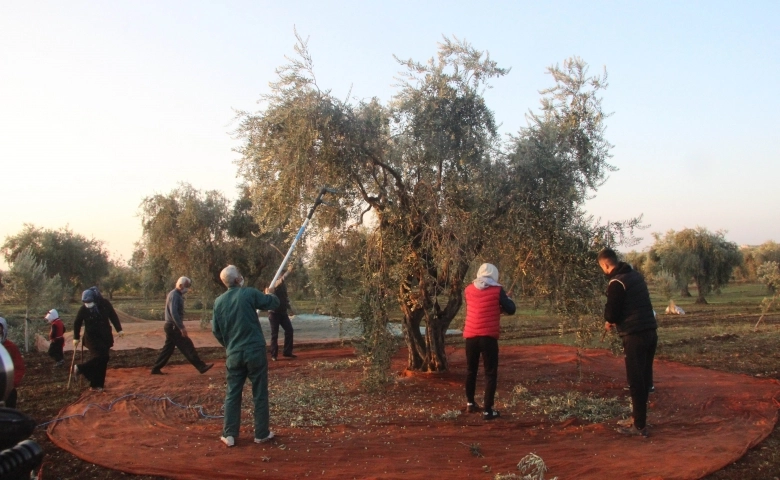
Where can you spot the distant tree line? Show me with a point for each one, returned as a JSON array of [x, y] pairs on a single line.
[[704, 259]]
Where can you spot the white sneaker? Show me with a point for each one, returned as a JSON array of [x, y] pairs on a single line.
[[229, 441], [263, 440], [75, 369]]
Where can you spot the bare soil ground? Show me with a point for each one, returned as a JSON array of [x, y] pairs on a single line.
[[725, 344]]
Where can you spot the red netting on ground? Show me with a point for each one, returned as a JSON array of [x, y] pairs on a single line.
[[700, 420]]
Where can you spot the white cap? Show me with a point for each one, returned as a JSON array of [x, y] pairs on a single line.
[[52, 315]]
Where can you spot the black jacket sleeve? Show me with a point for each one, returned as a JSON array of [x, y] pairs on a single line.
[[80, 316], [507, 305]]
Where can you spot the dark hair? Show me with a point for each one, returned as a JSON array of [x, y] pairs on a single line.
[[609, 255]]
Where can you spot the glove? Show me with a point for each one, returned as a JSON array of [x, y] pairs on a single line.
[[75, 342], [121, 334]]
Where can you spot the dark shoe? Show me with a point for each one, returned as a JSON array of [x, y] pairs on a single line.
[[60, 363], [96, 389], [472, 408], [273, 359], [490, 415], [156, 371], [206, 368], [652, 389], [290, 356], [634, 432]]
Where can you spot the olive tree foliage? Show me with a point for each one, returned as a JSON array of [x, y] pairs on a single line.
[[184, 233], [258, 253], [80, 262], [755, 256], [335, 267], [196, 234], [548, 243], [638, 261], [697, 255], [120, 277], [26, 283], [444, 192]]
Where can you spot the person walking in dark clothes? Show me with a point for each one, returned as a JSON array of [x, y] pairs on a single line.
[[279, 317], [95, 314], [485, 301], [628, 306], [176, 335], [56, 337]]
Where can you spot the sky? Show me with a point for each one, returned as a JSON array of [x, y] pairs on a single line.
[[105, 103]]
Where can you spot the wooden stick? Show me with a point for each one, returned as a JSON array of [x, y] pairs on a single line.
[[72, 362]]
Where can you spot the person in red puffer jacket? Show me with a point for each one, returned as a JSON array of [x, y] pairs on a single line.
[[56, 337], [486, 300]]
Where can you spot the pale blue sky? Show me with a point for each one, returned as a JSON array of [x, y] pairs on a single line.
[[104, 103]]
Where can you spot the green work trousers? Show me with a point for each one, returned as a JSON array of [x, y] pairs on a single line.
[[241, 365]]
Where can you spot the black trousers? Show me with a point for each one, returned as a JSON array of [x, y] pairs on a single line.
[[94, 369], [55, 350], [276, 320], [174, 339], [487, 347], [639, 349]]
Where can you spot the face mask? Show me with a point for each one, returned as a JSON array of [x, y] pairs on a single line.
[[89, 305], [241, 283], [184, 290]]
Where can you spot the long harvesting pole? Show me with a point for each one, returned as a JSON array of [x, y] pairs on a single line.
[[317, 203]]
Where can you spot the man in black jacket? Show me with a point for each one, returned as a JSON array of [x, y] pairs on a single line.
[[279, 317], [629, 308]]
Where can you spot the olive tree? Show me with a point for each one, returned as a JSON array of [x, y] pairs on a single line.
[[706, 258], [184, 233], [80, 262], [441, 189], [25, 282]]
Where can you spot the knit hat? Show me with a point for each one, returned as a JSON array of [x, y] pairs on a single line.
[[52, 315]]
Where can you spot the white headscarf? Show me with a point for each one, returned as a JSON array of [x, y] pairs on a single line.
[[487, 276], [52, 315]]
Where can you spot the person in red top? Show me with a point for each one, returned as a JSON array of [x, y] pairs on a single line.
[[485, 301], [16, 358], [56, 337]]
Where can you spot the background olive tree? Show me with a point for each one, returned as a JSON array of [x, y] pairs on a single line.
[[26, 283], [80, 262], [185, 233], [194, 233], [443, 192], [697, 255]]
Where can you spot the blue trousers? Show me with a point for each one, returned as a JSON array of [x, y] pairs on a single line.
[[241, 365]]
